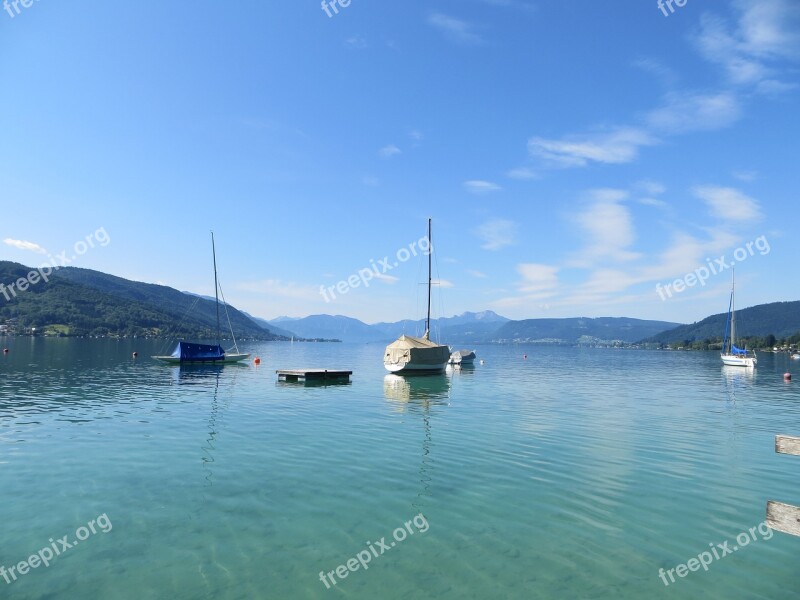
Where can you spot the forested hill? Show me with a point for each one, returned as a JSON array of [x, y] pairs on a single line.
[[780, 319], [85, 302]]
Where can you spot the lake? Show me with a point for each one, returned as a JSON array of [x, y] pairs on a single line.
[[574, 473]]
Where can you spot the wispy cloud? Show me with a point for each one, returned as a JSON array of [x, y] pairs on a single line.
[[766, 32], [357, 42], [496, 234], [389, 151], [539, 282], [477, 186], [728, 204], [384, 278], [685, 113], [617, 146], [24, 245], [608, 228], [756, 54], [454, 29], [478, 274], [523, 173]]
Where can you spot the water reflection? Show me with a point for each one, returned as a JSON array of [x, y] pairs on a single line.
[[415, 391], [737, 379], [420, 395]]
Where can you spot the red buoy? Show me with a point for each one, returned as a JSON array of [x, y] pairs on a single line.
[[257, 360], [787, 376]]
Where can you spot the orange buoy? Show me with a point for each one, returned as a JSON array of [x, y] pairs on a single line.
[[257, 360], [787, 376]]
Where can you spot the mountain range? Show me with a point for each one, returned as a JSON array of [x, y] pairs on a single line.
[[85, 302]]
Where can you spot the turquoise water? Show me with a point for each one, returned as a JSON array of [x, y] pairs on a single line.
[[577, 473]]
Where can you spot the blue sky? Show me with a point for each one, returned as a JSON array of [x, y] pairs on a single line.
[[572, 155]]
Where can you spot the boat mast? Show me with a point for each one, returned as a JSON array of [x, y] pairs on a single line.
[[430, 252], [733, 310], [216, 286]]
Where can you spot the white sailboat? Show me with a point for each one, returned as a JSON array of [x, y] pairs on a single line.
[[413, 355], [193, 353], [731, 355]]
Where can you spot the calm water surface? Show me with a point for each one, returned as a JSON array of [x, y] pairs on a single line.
[[577, 473]]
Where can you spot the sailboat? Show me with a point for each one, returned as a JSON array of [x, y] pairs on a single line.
[[413, 355], [193, 353], [731, 355]]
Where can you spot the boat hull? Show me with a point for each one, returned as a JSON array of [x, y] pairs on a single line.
[[415, 369], [227, 359], [738, 361], [462, 357], [419, 360]]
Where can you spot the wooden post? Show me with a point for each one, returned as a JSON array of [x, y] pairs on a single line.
[[780, 516]]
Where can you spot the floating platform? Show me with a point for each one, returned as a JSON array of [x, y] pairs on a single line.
[[315, 375]]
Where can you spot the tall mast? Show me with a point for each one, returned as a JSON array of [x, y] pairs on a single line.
[[733, 310], [216, 286], [430, 252]]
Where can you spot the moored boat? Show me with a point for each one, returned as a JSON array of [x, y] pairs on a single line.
[[195, 353], [462, 357], [415, 355], [731, 355]]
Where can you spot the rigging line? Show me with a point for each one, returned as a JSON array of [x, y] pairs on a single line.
[[230, 326], [188, 310]]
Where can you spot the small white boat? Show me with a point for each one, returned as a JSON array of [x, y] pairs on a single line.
[[462, 357], [731, 355], [796, 356]]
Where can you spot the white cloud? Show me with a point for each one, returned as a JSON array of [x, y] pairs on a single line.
[[618, 146], [650, 187], [443, 283], [477, 186], [539, 282], [766, 32], [24, 245], [537, 278], [389, 151], [454, 29], [523, 173], [608, 227], [389, 279], [728, 204], [686, 112], [496, 234], [478, 274]]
